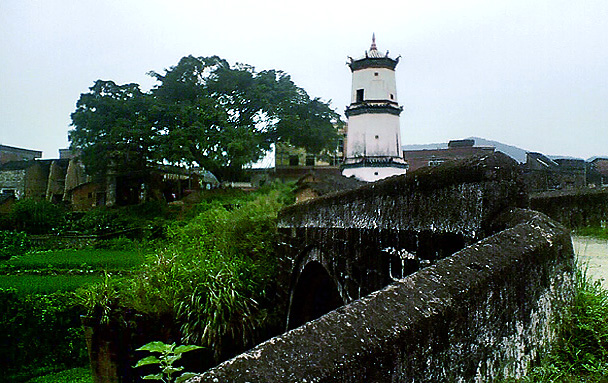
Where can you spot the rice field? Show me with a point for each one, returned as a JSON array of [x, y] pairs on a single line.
[[46, 284], [64, 270], [77, 259]]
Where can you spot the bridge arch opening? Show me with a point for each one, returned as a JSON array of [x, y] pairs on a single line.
[[315, 294]]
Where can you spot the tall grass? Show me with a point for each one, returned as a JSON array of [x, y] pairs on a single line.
[[580, 352], [214, 277], [600, 232]]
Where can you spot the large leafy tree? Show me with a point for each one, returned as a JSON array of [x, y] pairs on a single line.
[[205, 112], [114, 129]]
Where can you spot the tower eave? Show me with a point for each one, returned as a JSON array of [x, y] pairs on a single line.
[[366, 108], [373, 62]]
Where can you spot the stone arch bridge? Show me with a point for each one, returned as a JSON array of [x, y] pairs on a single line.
[[441, 275], [345, 246]]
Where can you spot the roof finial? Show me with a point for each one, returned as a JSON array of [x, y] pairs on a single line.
[[373, 47]]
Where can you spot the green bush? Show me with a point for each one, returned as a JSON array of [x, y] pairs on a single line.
[[134, 222], [580, 351], [12, 244], [600, 231], [213, 276], [102, 220], [120, 243], [36, 217], [147, 210], [39, 332]]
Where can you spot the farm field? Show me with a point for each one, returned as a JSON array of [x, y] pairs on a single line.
[[75, 259], [46, 284], [64, 270], [45, 281]]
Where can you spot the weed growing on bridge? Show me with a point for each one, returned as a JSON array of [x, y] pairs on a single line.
[[580, 352]]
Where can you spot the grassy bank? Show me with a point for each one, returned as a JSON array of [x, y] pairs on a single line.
[[599, 232], [580, 351]]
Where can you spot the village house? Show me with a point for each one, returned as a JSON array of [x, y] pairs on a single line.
[[456, 150], [11, 153]]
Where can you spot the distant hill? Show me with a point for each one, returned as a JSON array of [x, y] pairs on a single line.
[[518, 154], [514, 152]]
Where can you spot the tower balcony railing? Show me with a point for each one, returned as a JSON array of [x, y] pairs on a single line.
[[380, 106], [374, 161]]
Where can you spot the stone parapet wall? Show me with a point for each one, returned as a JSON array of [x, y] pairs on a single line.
[[573, 208], [366, 237], [484, 312], [458, 197]]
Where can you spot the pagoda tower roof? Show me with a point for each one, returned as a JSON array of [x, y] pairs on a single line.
[[373, 59]]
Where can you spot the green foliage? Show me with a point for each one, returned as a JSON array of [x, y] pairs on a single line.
[[36, 217], [203, 111], [39, 316], [168, 354], [12, 244], [599, 232], [114, 128], [580, 352], [214, 276], [70, 259], [147, 211], [28, 283], [39, 331], [100, 299], [102, 220], [73, 375], [133, 223], [117, 244]]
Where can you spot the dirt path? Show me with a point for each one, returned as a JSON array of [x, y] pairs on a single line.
[[594, 253]]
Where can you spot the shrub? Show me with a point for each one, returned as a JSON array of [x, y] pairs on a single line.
[[600, 231], [39, 331], [209, 277], [12, 244], [580, 351], [134, 222], [120, 243], [36, 217], [101, 220]]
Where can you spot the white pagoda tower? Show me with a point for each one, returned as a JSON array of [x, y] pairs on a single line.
[[373, 145]]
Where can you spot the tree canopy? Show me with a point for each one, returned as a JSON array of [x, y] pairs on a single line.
[[203, 112]]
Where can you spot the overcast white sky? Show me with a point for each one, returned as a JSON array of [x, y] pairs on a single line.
[[533, 74]]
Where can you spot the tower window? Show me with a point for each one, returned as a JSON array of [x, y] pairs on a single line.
[[376, 137], [359, 95], [375, 73], [392, 97]]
